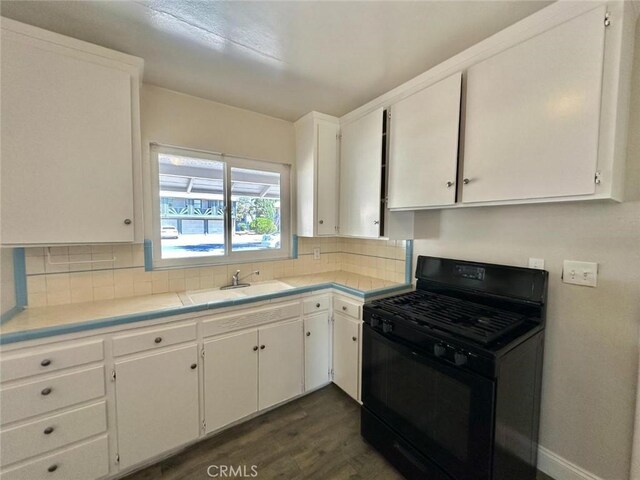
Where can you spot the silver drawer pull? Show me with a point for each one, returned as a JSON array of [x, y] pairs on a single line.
[[46, 391], [344, 308], [158, 339], [317, 305], [52, 468], [46, 362], [48, 431], [308, 334]]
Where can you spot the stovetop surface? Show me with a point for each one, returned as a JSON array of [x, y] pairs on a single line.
[[480, 323]]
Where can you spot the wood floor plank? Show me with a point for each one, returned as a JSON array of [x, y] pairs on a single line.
[[316, 437]]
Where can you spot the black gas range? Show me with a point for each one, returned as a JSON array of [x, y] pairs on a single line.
[[452, 371]]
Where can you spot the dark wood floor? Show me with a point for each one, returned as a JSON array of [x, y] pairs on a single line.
[[315, 437]]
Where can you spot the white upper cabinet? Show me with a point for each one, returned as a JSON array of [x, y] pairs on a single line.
[[317, 174], [423, 151], [70, 140], [360, 176], [533, 116]]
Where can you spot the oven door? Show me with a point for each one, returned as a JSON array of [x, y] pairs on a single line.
[[446, 413]]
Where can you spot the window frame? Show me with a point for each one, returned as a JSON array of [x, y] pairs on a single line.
[[229, 257]]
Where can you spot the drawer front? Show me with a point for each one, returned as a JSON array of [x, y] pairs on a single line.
[[153, 338], [230, 323], [42, 436], [54, 392], [346, 307], [49, 359], [87, 461], [316, 304]]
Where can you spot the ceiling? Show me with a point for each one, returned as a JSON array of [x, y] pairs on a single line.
[[282, 59]]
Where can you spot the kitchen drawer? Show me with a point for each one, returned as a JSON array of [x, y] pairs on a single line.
[[253, 318], [50, 393], [346, 307], [153, 338], [316, 304], [49, 359], [87, 461], [42, 436]]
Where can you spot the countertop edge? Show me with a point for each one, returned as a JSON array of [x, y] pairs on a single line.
[[38, 333]]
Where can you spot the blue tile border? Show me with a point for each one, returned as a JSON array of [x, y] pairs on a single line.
[[20, 277], [408, 271], [9, 314], [148, 255], [138, 317], [294, 246]]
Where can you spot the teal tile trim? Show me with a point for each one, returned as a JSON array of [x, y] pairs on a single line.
[[408, 269], [138, 317], [294, 246], [20, 277], [9, 314], [148, 255]]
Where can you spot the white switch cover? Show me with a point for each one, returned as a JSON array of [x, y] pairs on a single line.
[[316, 253], [580, 273], [536, 263]]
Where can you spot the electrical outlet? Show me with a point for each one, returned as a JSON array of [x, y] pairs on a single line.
[[580, 273], [536, 263], [316, 253]]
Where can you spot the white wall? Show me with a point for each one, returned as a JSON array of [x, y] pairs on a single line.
[[592, 334]]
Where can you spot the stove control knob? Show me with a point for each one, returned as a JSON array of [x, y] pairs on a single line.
[[387, 327], [375, 321], [460, 359], [439, 350]]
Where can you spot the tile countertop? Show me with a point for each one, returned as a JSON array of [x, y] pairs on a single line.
[[42, 322]]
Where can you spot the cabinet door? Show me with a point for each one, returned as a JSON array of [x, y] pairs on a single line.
[[156, 403], [533, 114], [316, 351], [423, 152], [230, 378], [346, 348], [327, 184], [360, 176], [280, 363], [67, 171]]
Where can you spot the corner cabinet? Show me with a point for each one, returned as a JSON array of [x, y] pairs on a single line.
[[317, 174], [70, 140], [360, 176], [423, 151], [533, 116]]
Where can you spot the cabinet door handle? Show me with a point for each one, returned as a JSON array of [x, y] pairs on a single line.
[[52, 468], [255, 349], [194, 366], [308, 334], [46, 391], [127, 221], [376, 222], [355, 339], [466, 181], [450, 184], [46, 362], [321, 222], [48, 431], [344, 308], [262, 347], [317, 305], [158, 339]]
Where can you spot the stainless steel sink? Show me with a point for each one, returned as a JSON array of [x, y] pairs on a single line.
[[240, 285]]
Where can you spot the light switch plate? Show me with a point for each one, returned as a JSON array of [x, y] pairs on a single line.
[[316, 253], [580, 273], [536, 263]]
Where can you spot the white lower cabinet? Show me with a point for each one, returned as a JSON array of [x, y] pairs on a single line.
[[156, 403], [346, 354], [85, 461], [316, 351], [280, 363], [230, 378]]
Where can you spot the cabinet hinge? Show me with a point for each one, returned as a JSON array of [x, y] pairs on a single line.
[[113, 375], [389, 114], [598, 177], [202, 353], [607, 19], [117, 458], [204, 425], [331, 374], [338, 136]]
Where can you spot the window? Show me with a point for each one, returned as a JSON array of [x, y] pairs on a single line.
[[214, 208]]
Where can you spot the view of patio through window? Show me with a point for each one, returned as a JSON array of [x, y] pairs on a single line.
[[194, 220]]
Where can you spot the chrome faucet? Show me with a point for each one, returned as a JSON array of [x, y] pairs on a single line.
[[235, 278]]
